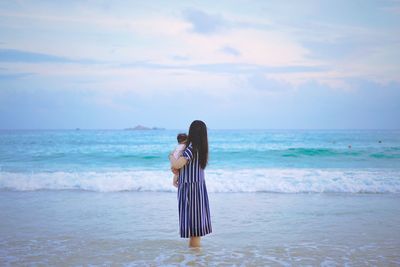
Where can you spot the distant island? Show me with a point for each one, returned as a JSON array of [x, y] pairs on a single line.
[[143, 128]]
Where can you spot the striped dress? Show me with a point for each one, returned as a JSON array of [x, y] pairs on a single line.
[[194, 210]]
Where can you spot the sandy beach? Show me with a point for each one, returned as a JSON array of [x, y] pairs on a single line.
[[75, 228]]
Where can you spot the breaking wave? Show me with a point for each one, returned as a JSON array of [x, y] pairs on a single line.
[[290, 180]]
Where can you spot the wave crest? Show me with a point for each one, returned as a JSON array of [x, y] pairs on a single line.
[[218, 180]]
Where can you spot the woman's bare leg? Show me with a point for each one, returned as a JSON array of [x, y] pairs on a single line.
[[194, 241]]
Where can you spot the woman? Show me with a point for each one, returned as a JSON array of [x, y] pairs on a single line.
[[194, 211]]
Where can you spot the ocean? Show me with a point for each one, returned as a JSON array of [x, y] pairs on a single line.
[[284, 161], [277, 197]]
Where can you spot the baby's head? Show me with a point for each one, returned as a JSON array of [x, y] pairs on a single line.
[[182, 137]]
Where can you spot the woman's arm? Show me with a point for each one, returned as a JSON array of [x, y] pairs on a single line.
[[177, 163]]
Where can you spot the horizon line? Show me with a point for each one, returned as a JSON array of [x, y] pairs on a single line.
[[168, 129]]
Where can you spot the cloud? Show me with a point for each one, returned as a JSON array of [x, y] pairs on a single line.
[[311, 106], [393, 7], [13, 76], [220, 49], [259, 81], [232, 68], [13, 55], [180, 58], [329, 50], [203, 22], [230, 51]]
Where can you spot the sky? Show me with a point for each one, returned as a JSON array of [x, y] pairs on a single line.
[[233, 64]]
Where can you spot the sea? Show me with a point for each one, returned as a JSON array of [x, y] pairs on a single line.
[[277, 198]]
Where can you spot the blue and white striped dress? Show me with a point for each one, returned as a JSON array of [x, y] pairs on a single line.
[[194, 210]]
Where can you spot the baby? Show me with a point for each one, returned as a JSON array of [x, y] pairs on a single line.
[[178, 152]]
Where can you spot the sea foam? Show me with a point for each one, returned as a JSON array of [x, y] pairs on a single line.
[[290, 180]]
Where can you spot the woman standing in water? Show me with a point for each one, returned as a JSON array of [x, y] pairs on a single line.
[[194, 211]]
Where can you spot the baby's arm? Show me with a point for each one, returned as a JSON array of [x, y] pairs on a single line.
[[177, 163], [175, 180]]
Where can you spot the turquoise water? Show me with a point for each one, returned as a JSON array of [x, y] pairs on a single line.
[[26, 151], [240, 160]]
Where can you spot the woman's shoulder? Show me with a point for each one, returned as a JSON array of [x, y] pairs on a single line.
[[188, 152], [189, 148]]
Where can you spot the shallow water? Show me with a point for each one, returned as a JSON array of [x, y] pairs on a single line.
[[74, 227]]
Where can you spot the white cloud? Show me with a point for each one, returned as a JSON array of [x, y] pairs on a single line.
[[160, 38]]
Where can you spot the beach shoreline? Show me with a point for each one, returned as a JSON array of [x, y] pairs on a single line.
[[75, 227]]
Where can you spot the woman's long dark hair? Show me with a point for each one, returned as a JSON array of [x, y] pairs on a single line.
[[198, 137]]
